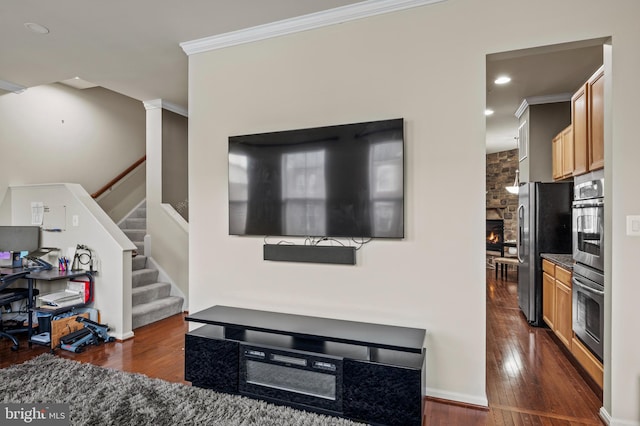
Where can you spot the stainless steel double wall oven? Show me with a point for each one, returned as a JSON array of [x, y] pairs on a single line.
[[588, 253]]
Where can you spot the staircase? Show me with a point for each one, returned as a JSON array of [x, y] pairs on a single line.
[[151, 300]]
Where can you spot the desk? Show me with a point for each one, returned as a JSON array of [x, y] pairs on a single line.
[[53, 275], [11, 275]]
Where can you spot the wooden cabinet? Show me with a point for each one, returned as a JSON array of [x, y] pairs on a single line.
[[590, 363], [557, 313], [567, 151], [580, 130], [587, 121], [548, 293], [562, 154], [556, 301], [563, 324], [596, 120], [556, 155]]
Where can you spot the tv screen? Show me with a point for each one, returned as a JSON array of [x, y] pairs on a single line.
[[335, 181]]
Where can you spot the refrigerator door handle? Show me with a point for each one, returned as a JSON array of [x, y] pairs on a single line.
[[520, 220]]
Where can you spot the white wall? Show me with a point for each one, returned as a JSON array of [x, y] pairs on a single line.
[[54, 133], [427, 65]]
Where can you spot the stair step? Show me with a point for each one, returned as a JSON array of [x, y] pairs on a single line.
[[138, 262], [155, 311], [151, 301], [139, 246], [134, 223], [143, 277], [135, 234], [150, 292], [140, 212]]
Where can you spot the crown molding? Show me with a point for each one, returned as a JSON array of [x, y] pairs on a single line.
[[311, 21], [544, 99], [159, 103]]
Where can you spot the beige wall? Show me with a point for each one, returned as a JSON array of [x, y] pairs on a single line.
[[545, 121], [175, 167], [54, 133], [427, 65]]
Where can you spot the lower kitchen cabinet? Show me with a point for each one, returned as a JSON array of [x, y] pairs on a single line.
[[556, 301], [589, 362], [548, 294], [557, 313], [564, 328]]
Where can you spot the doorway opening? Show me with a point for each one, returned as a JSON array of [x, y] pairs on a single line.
[[541, 79]]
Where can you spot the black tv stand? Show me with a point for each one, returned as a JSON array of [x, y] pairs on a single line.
[[366, 372]]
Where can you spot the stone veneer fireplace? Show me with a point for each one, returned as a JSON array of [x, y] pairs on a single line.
[[501, 205], [501, 172]]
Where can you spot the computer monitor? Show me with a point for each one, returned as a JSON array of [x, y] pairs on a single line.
[[19, 238]]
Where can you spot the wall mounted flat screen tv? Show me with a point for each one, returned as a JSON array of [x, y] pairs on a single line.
[[335, 181]]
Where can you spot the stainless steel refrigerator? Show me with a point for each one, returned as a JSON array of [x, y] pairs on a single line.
[[544, 226]]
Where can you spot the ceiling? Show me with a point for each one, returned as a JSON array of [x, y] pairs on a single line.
[[130, 47], [538, 75], [133, 48]]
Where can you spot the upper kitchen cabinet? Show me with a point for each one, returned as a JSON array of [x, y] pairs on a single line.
[[596, 120], [563, 154], [587, 120], [556, 156], [579, 117]]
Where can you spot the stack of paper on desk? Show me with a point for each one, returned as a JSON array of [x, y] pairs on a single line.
[[62, 298]]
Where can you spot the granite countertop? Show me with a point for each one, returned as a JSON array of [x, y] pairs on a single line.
[[564, 260]]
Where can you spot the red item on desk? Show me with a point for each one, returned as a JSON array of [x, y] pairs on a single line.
[[85, 287]]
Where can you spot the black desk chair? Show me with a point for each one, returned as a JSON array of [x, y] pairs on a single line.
[[10, 295]]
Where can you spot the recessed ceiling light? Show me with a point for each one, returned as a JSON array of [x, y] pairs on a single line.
[[36, 28], [488, 111], [503, 79]]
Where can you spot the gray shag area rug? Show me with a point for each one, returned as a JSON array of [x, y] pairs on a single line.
[[102, 396]]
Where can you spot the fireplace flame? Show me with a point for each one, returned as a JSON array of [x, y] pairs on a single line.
[[493, 238]]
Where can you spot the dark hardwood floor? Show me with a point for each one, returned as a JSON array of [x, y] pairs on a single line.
[[529, 379]]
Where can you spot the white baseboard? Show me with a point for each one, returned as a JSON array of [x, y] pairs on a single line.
[[480, 401], [612, 421], [123, 336]]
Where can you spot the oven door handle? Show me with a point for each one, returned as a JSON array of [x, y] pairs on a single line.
[[587, 204], [577, 282]]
